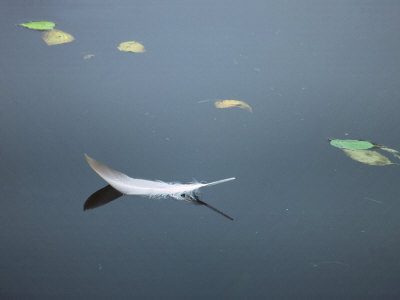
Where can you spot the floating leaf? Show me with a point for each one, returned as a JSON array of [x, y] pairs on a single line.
[[352, 144], [373, 200], [390, 150], [55, 37], [41, 25], [393, 151], [368, 157], [88, 56], [131, 46], [233, 103]]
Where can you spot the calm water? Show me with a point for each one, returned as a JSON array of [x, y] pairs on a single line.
[[305, 225]]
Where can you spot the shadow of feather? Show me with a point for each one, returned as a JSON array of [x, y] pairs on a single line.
[[101, 197]]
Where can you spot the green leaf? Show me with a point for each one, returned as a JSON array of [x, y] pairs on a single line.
[[352, 144], [42, 25]]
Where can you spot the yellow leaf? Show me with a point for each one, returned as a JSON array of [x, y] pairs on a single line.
[[368, 157], [131, 46], [233, 103], [55, 37]]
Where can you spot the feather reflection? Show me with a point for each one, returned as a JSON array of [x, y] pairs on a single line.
[[101, 197]]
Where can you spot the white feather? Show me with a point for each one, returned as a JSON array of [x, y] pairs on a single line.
[[132, 186]]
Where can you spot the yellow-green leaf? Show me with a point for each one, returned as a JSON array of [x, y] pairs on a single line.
[[368, 157], [40, 25], [233, 103], [55, 37], [131, 46]]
